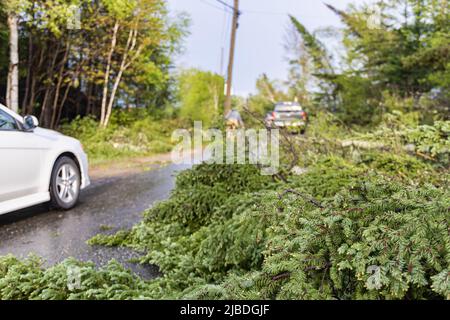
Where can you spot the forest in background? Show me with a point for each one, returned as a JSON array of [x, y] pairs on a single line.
[[391, 55], [109, 64], [91, 59], [80, 58]]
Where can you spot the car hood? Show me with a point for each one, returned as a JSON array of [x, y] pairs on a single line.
[[59, 140], [47, 133], [54, 136]]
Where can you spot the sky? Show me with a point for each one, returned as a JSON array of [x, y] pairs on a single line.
[[260, 39]]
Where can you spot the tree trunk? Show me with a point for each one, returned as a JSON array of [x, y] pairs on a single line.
[[112, 98], [43, 118], [131, 44], [107, 73], [89, 98], [34, 79], [12, 90], [49, 86], [58, 88], [29, 72], [61, 106]]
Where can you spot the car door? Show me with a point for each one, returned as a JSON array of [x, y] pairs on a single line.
[[20, 160]]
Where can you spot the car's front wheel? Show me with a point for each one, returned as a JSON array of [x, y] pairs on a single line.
[[65, 184]]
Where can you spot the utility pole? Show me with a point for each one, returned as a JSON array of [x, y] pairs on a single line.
[[234, 27]]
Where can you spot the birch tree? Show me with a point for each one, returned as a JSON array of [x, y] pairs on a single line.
[[137, 26], [119, 50], [12, 84]]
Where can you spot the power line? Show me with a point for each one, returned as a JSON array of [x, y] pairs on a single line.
[[251, 11], [275, 13], [226, 4], [223, 44], [265, 12], [216, 7], [225, 26]]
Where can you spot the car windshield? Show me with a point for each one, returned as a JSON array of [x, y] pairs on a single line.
[[7, 122], [288, 108]]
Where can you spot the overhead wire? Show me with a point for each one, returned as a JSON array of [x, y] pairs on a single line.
[[215, 6]]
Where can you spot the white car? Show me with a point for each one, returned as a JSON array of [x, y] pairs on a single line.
[[38, 165]]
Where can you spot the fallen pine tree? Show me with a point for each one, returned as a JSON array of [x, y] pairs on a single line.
[[374, 226]]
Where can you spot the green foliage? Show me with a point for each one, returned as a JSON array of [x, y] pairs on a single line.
[[328, 177], [315, 47], [397, 48], [28, 279], [133, 133], [270, 244], [433, 140], [73, 54], [121, 9], [327, 253], [268, 94], [227, 232], [358, 101], [209, 211], [400, 166], [200, 95], [429, 141]]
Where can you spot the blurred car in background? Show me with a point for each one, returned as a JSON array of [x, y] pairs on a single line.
[[289, 115]]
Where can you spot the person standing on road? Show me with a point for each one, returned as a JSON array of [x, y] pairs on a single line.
[[234, 120]]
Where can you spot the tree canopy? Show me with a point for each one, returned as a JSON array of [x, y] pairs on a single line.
[[398, 48], [83, 57]]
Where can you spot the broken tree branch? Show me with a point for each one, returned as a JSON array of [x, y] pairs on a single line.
[[302, 195]]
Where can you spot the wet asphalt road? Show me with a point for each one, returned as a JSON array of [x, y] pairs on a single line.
[[111, 204]]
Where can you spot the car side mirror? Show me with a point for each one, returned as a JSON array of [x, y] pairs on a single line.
[[30, 122]]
